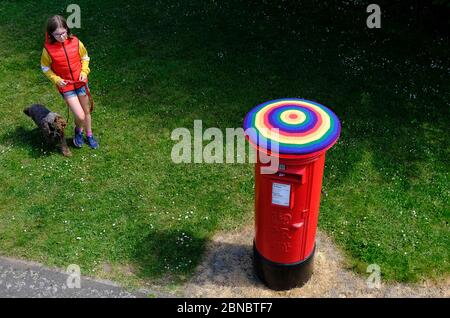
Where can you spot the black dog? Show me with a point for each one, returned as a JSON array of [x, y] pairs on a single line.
[[51, 124]]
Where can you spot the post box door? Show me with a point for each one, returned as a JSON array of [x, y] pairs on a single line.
[[282, 215]]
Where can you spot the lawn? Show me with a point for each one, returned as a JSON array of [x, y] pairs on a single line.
[[159, 66]]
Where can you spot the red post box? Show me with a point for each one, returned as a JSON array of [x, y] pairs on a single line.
[[295, 133]]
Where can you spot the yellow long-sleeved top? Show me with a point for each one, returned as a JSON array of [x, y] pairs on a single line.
[[46, 64]]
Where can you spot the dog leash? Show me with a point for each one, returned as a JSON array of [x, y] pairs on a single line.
[[88, 92]]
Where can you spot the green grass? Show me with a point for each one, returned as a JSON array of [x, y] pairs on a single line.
[[159, 66]]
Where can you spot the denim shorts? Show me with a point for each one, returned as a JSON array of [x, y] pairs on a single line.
[[76, 92]]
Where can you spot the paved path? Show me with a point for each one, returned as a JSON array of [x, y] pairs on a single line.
[[26, 279]]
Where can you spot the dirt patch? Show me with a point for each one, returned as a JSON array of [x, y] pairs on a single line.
[[227, 271]]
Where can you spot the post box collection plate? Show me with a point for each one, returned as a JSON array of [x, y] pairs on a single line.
[[281, 194]]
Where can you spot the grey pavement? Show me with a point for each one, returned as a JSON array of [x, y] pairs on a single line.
[[21, 279]]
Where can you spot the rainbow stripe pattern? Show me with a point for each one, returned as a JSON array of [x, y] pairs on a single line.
[[299, 126]]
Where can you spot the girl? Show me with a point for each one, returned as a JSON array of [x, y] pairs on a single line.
[[64, 58]]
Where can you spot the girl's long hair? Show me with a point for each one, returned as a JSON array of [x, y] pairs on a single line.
[[55, 22]]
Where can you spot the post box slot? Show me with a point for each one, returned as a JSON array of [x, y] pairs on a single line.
[[286, 177]]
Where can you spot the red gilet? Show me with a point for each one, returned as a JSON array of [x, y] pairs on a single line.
[[66, 60]]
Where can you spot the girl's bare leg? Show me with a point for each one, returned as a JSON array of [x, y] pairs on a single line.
[[77, 110], [84, 102]]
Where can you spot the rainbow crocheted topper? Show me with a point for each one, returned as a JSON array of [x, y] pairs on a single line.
[[299, 126]]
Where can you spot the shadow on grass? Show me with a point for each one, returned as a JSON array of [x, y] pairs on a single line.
[[170, 254], [228, 265], [163, 254], [204, 63], [31, 141]]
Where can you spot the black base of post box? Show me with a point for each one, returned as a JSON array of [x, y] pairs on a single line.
[[283, 276]]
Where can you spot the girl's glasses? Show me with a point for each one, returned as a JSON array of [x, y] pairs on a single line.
[[59, 35]]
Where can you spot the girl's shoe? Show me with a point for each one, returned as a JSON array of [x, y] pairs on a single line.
[[92, 142], [78, 139]]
